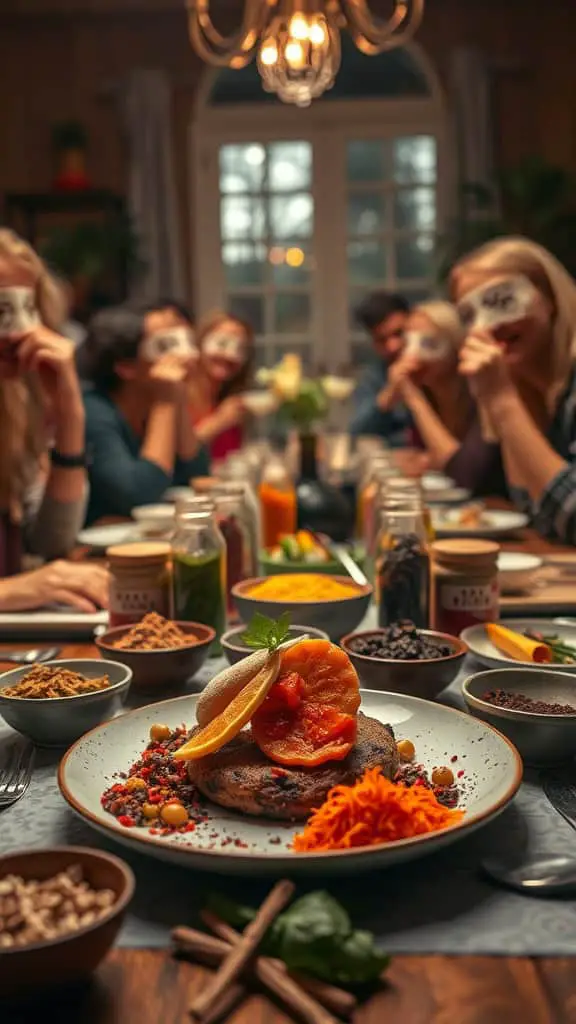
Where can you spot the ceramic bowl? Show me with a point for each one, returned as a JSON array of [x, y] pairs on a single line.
[[424, 678], [154, 520], [165, 669], [333, 617], [64, 961], [540, 739], [58, 721], [517, 570], [271, 567], [235, 650]]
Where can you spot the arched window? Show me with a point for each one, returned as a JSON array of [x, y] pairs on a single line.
[[299, 213]]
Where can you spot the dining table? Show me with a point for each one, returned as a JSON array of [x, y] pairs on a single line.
[[152, 986]]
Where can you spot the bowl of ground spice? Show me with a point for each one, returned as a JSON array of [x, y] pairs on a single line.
[[535, 709], [55, 703], [60, 911], [334, 604], [161, 654]]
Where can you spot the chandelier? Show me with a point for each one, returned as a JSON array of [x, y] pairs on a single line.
[[297, 42]]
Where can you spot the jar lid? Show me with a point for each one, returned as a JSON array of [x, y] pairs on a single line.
[[141, 554], [204, 484], [460, 553]]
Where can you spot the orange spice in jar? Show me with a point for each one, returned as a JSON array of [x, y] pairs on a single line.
[[139, 581], [465, 574]]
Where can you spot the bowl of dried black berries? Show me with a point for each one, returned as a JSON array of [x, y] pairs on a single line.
[[404, 659]]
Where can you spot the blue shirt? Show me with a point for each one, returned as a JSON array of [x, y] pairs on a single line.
[[120, 478], [394, 425]]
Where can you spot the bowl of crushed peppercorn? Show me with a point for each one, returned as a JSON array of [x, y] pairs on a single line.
[[403, 659], [535, 709], [68, 904], [161, 654]]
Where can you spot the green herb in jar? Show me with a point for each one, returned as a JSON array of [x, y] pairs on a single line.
[[199, 589]]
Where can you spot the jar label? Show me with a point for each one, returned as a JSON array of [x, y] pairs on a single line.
[[130, 605], [477, 598]]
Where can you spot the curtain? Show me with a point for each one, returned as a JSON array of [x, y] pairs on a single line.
[[471, 86], [152, 200]]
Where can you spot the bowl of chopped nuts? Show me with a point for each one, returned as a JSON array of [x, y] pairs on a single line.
[[55, 703], [161, 654], [62, 908]]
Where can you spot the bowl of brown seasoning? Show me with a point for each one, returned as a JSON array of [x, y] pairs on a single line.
[[159, 653], [55, 703]]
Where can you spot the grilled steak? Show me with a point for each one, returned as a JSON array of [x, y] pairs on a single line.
[[242, 777]]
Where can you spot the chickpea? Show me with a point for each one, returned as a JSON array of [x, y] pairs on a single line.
[[442, 777], [406, 750], [160, 732], [150, 810], [174, 813], [135, 782]]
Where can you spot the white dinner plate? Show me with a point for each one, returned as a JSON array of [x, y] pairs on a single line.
[[495, 523], [484, 650], [491, 766], [102, 537], [49, 622], [451, 496]]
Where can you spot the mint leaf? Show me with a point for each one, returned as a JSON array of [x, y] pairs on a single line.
[[266, 634]]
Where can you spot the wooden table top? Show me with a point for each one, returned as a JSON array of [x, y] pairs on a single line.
[[151, 987]]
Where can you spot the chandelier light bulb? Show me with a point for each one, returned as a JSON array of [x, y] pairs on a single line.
[[269, 53], [299, 27], [294, 54], [316, 34]]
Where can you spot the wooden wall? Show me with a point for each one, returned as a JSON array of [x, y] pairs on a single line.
[[62, 65]]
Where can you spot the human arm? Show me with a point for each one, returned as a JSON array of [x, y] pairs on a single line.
[[368, 416], [81, 586], [439, 443], [229, 413]]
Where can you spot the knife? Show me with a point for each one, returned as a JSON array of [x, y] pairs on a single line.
[[560, 788]]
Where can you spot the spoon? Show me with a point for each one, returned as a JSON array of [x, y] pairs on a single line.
[[34, 655], [340, 554], [548, 876]]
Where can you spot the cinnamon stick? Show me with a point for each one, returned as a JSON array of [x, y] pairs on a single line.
[[288, 990], [240, 953], [224, 1004], [211, 950]]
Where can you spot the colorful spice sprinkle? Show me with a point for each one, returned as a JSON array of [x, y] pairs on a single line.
[[519, 702], [156, 792]]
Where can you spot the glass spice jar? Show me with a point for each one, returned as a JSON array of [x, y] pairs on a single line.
[[465, 576], [402, 573], [235, 528], [139, 581], [199, 567]]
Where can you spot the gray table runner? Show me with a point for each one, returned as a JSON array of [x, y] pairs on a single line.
[[439, 904]]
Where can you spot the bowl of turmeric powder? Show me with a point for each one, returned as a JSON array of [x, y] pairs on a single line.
[[334, 604]]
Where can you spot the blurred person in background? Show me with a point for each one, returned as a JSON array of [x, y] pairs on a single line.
[[226, 354], [517, 304], [383, 317], [42, 456], [139, 436]]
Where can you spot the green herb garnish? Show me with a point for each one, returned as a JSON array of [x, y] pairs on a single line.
[[266, 634], [315, 936]]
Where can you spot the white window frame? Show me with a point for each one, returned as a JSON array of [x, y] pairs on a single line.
[[328, 126]]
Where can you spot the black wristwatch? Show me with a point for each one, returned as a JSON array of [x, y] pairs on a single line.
[[78, 461]]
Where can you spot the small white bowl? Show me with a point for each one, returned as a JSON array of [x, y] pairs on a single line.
[[259, 403], [516, 570], [154, 520]]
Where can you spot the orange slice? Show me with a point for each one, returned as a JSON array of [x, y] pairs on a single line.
[[234, 717]]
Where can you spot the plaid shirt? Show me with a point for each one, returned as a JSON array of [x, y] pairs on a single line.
[[554, 514]]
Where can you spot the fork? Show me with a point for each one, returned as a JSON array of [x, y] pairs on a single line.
[[15, 774]]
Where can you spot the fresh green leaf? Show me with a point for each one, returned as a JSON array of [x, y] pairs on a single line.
[[312, 930], [266, 634], [358, 961], [235, 914]]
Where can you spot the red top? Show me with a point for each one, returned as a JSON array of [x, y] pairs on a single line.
[[228, 441]]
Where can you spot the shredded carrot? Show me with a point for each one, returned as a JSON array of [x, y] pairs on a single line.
[[373, 810]]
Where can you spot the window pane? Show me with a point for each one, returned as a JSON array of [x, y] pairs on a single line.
[[242, 167], [415, 256], [289, 166], [291, 216], [415, 159], [366, 262], [365, 213], [243, 264], [292, 314], [365, 161], [249, 308], [290, 263], [415, 208], [241, 217]]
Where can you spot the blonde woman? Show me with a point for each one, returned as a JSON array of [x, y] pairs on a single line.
[[518, 305], [42, 486]]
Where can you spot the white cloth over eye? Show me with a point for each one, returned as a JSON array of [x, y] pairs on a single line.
[[428, 348], [174, 341], [503, 302], [18, 310], [222, 345]]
